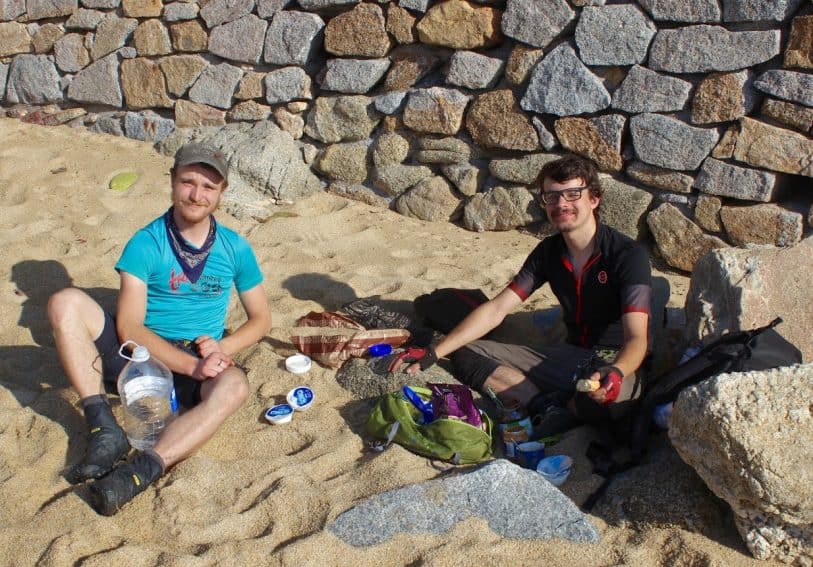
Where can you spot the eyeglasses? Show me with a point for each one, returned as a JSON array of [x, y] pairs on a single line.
[[552, 197]]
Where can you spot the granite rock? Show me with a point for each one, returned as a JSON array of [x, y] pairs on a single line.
[[560, 84], [143, 84], [794, 115], [390, 103], [465, 177], [363, 194], [251, 86], [799, 52], [442, 150], [410, 63], [692, 11], [522, 170], [151, 38], [707, 213], [325, 5], [290, 122], [644, 90], [181, 72], [217, 12], [98, 83], [189, 37], [353, 75], [400, 24], [596, 138], [147, 126], [748, 437], [215, 85], [762, 145], [435, 110], [722, 97], [520, 63], [108, 123], [394, 179], [547, 139], [45, 37], [792, 86], [360, 32], [70, 53], [180, 11], [10, 9], [111, 34], [614, 35], [341, 118], [432, 199], [239, 40], [32, 79], [516, 503], [699, 49], [624, 208], [501, 208], [472, 70], [292, 38], [726, 180], [536, 23], [495, 120], [84, 19], [659, 178], [344, 162], [389, 149], [681, 242], [758, 10], [142, 8], [668, 142], [42, 9], [287, 84], [249, 111], [738, 289], [762, 224], [460, 25]]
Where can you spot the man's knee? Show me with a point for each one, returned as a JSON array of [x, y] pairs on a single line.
[[68, 304], [230, 387], [471, 368]]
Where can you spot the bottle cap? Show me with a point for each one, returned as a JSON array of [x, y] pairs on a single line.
[[300, 398], [281, 413]]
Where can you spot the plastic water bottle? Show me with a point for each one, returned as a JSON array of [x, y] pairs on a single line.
[[147, 395]]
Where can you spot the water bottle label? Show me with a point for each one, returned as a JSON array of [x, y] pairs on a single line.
[[173, 401], [141, 387]]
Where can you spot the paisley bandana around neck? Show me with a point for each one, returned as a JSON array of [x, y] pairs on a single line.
[[192, 260]]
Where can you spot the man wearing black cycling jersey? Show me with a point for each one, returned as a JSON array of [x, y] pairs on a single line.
[[602, 279]]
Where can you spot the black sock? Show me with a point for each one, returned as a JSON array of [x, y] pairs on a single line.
[[94, 399]]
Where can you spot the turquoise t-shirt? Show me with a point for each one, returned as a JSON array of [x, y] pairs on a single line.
[[176, 308]]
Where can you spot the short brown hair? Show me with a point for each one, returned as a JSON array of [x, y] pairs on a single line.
[[573, 167]]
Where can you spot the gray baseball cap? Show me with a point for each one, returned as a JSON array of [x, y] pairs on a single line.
[[199, 153]]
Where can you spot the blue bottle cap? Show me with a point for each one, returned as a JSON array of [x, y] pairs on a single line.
[[281, 413]]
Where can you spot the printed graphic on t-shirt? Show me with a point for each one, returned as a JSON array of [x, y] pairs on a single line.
[[206, 285]]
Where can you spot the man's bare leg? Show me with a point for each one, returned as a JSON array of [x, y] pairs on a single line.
[[77, 321], [221, 396]]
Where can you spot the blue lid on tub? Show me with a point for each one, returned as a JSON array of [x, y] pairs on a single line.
[[281, 413], [300, 398]]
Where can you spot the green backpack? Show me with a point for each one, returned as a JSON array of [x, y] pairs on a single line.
[[394, 419]]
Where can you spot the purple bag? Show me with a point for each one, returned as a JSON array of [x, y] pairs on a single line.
[[454, 401]]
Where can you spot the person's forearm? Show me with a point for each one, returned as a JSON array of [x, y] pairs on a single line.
[[247, 334], [478, 323], [176, 359], [631, 355]]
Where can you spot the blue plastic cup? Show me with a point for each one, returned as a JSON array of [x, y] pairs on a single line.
[[530, 453]]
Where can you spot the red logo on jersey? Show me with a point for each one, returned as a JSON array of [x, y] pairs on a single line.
[[602, 277], [175, 280]]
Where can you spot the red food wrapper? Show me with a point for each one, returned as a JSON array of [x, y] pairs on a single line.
[[454, 401]]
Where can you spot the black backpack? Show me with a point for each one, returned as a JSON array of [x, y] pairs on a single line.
[[742, 351]]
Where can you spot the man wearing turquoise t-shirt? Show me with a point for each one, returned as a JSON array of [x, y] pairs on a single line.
[[176, 278]]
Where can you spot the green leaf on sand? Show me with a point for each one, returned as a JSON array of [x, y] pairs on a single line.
[[123, 181]]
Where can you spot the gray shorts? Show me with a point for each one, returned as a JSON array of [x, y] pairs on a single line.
[[552, 369], [187, 389]]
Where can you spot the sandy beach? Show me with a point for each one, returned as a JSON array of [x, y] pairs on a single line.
[[258, 494]]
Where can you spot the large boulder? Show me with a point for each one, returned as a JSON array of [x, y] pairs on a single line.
[[680, 241], [735, 289], [501, 208], [265, 165], [750, 438]]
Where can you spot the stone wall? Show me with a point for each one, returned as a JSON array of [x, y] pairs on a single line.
[[700, 110]]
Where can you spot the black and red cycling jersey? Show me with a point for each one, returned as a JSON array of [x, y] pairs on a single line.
[[617, 279]]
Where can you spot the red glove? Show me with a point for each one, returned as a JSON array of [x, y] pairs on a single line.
[[611, 378], [425, 357]]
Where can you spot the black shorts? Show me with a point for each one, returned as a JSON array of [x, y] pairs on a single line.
[[187, 389]]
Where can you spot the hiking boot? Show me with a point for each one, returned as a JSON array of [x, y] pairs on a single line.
[[107, 443], [125, 482], [553, 421]]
